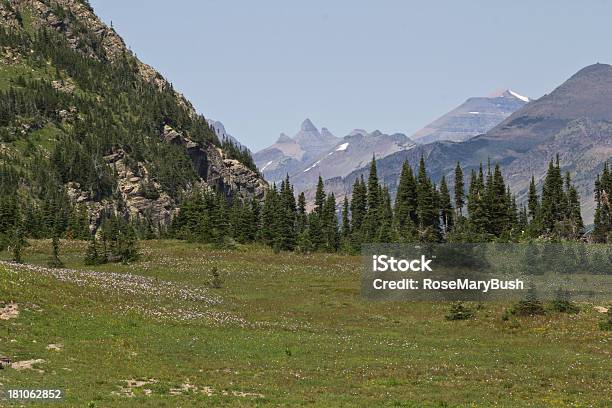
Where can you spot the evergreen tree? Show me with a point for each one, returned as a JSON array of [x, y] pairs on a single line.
[[301, 221], [475, 203], [405, 210], [459, 190], [269, 217], [446, 208], [287, 216], [317, 219], [346, 223], [552, 208], [372, 217], [533, 203], [427, 211], [385, 231], [358, 212], [55, 261], [92, 255], [329, 225]]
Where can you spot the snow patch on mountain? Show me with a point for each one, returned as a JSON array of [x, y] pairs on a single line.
[[521, 97], [342, 147]]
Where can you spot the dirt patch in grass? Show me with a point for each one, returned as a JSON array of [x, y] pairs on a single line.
[[28, 365], [10, 311]]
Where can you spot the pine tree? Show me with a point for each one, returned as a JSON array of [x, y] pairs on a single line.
[[459, 190], [287, 217], [319, 196], [358, 212], [427, 212], [533, 203], [92, 255], [385, 231], [372, 219], [446, 208], [553, 198], [301, 221], [476, 213], [346, 223], [269, 217], [317, 220], [330, 224], [405, 210], [498, 203], [55, 261]]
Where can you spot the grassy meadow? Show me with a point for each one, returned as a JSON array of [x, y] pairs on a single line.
[[282, 330]]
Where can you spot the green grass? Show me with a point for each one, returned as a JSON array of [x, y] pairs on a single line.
[[289, 330]]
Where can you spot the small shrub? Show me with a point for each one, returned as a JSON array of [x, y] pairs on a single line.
[[93, 256], [55, 261], [562, 303], [528, 308], [459, 312], [564, 306], [216, 279]]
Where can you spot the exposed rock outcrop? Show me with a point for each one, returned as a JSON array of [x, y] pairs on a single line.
[[217, 171]]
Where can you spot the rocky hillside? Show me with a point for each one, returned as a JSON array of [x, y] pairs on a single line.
[[84, 122], [574, 120], [473, 117]]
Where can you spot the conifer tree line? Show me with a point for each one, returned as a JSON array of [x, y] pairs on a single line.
[[479, 209]]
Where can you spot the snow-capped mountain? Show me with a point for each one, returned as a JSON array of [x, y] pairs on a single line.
[[473, 117]]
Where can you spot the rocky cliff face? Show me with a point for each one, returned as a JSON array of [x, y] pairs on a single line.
[[226, 175]]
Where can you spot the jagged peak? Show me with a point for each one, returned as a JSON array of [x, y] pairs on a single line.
[[358, 132], [308, 126], [283, 138]]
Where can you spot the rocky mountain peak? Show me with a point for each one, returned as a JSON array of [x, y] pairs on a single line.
[[508, 93], [325, 133], [308, 126], [283, 138]]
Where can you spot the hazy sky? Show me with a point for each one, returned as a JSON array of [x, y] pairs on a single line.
[[263, 66]]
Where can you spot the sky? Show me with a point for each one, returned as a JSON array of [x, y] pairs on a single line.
[[262, 67]]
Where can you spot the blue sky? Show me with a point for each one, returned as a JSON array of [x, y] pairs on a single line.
[[261, 67]]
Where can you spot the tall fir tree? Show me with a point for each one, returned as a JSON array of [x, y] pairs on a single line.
[[372, 217], [459, 190], [446, 207], [427, 211], [405, 209]]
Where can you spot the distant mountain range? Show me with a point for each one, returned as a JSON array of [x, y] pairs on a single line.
[[288, 154], [473, 117], [574, 120], [312, 153]]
